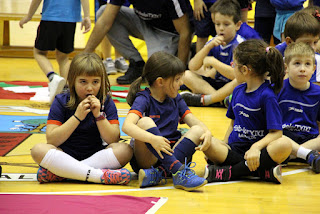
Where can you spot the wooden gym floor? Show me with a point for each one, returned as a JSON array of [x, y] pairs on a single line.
[[298, 193]]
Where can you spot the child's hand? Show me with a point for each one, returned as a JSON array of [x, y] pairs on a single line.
[[253, 158], [216, 41], [94, 105], [83, 109], [24, 20], [206, 141], [86, 23], [161, 144]]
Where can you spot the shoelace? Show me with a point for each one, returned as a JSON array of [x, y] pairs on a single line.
[[187, 171]]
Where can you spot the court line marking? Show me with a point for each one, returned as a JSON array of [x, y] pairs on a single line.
[[136, 189]]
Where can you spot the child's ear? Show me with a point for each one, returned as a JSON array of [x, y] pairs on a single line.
[[159, 81], [288, 40], [285, 68], [238, 25], [244, 70]]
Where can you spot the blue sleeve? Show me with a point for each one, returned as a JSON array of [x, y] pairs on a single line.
[[272, 112], [110, 109], [57, 111], [140, 104], [183, 108]]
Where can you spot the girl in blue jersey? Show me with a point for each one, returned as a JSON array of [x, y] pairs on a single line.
[[80, 125], [300, 106], [152, 123], [255, 133]]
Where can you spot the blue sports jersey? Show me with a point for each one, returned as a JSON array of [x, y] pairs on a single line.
[[159, 13], [85, 140], [248, 32], [254, 114], [166, 115], [61, 10], [316, 75], [300, 109], [225, 54]]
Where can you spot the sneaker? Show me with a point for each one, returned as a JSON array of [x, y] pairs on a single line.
[[121, 65], [313, 160], [45, 176], [55, 86], [191, 99], [227, 101], [117, 176], [185, 178], [151, 177], [134, 72], [110, 66], [273, 175], [214, 173]]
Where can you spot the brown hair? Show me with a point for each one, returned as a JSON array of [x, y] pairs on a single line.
[[160, 64], [298, 49], [87, 64], [227, 8], [301, 23], [262, 59]]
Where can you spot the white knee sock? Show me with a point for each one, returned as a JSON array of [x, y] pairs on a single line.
[[65, 166], [303, 152], [104, 159]]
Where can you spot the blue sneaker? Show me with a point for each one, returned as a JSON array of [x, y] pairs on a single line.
[[313, 160], [185, 178], [152, 177]]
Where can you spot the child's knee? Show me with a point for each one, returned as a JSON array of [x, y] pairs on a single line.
[[122, 151], [40, 150], [146, 123], [195, 133]]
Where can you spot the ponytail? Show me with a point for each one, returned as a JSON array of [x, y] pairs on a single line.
[[275, 67], [135, 87]]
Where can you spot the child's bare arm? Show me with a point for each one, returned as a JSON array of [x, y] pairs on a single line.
[[197, 61], [223, 69], [33, 8]]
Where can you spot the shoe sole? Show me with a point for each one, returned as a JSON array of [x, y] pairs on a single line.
[[277, 173], [58, 90], [142, 174], [121, 70], [206, 172], [112, 72], [190, 188], [316, 168]]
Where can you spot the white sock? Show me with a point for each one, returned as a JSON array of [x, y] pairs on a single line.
[[207, 100], [104, 159], [303, 152], [65, 166]]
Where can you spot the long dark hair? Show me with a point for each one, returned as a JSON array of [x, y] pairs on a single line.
[[160, 64], [262, 59]]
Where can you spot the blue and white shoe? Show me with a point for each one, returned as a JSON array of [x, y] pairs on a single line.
[[151, 177], [185, 178]]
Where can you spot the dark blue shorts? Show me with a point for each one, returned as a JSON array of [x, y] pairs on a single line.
[[300, 139], [214, 83], [205, 27], [55, 35]]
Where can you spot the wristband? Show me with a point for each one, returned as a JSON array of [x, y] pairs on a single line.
[[77, 118], [101, 117]]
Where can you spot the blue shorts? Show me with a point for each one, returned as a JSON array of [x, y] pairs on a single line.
[[214, 83], [280, 22], [299, 139], [205, 27]]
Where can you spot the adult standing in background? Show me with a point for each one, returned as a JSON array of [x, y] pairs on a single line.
[[164, 26]]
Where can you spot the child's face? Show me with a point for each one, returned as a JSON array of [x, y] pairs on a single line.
[[87, 85], [237, 72], [309, 40], [225, 26], [300, 69], [172, 85]]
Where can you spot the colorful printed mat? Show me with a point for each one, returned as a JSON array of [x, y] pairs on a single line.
[[38, 91]]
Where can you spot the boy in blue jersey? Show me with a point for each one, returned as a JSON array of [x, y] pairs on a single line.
[[210, 68], [302, 27], [56, 33], [299, 103]]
